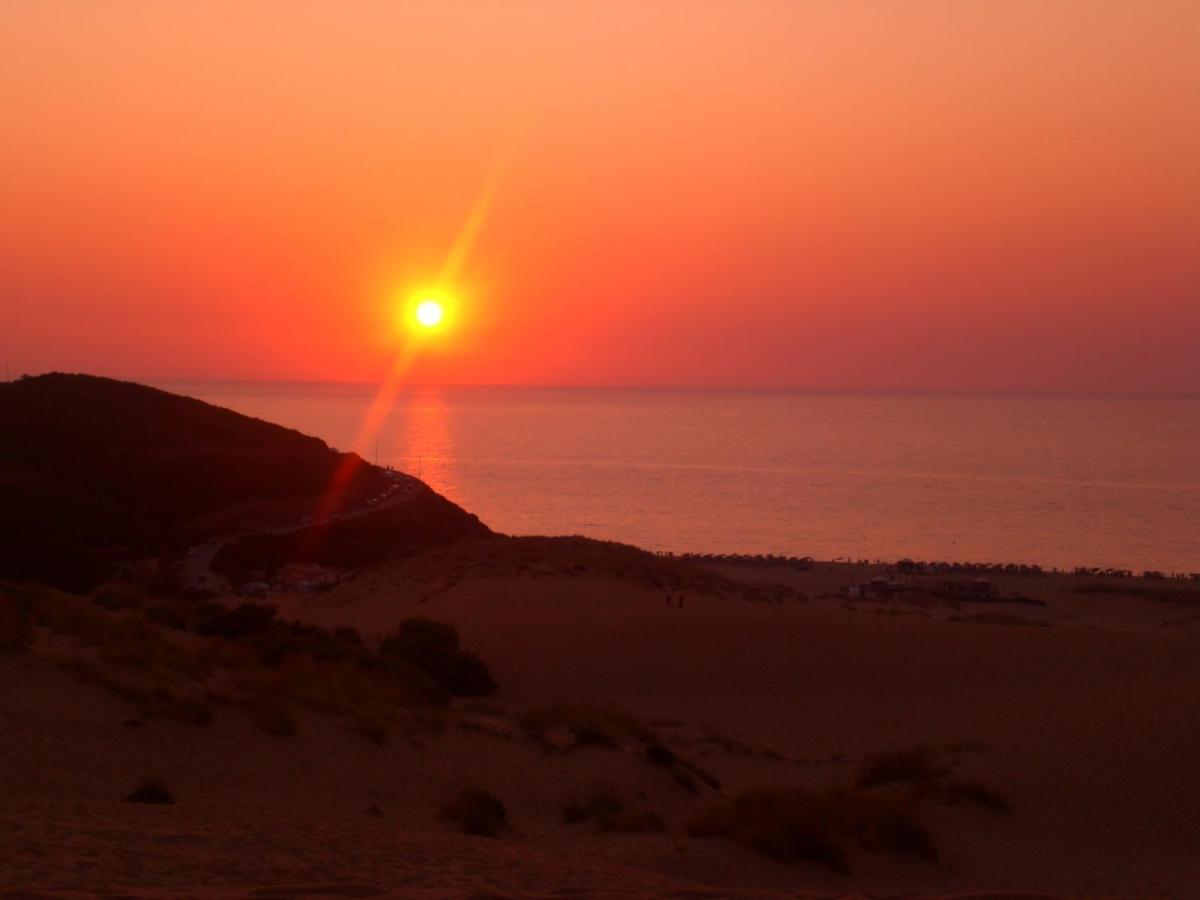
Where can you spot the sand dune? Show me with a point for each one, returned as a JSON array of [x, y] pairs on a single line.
[[1086, 724]]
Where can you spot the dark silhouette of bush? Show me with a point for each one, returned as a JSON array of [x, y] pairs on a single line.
[[660, 755], [433, 649], [478, 812], [244, 622], [917, 767], [979, 794], [604, 726], [793, 824], [272, 715], [16, 620], [604, 806], [151, 791]]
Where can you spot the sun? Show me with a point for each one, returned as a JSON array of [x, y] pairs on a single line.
[[429, 313]]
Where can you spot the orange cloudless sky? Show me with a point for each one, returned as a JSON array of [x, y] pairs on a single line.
[[905, 195]]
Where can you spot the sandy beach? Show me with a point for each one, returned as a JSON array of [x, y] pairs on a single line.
[[1078, 713]]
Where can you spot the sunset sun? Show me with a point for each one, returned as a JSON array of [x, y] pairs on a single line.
[[430, 313]]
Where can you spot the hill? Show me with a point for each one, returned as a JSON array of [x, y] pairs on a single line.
[[96, 472]]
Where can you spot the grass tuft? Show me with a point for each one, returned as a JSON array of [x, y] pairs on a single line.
[[979, 794], [604, 726], [478, 812], [151, 791], [604, 806], [792, 824], [918, 767]]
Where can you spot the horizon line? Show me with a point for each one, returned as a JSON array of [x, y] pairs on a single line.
[[676, 388], [706, 388]]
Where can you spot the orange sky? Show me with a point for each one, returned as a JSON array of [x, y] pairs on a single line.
[[912, 195]]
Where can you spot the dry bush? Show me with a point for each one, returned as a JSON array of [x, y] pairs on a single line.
[[275, 717], [16, 620], [190, 710], [117, 595], [606, 726], [979, 794], [90, 671], [478, 812], [71, 616], [604, 806], [998, 618], [433, 649], [150, 791], [217, 653], [121, 638], [371, 728], [918, 767], [340, 688], [793, 824]]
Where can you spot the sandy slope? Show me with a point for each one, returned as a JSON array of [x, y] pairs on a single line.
[[1087, 724]]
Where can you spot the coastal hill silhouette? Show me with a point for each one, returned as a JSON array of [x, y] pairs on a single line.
[[96, 472]]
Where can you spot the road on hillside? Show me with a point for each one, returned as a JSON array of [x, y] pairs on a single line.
[[197, 572]]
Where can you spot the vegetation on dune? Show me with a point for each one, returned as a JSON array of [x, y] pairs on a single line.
[[606, 726], [926, 774], [879, 813], [1184, 596], [151, 791], [478, 812], [433, 649], [792, 824], [979, 794], [604, 806], [16, 621], [567, 726], [244, 656], [534, 557], [918, 766]]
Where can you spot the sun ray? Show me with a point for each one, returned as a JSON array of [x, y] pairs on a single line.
[[429, 313]]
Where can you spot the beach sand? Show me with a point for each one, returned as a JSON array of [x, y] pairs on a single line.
[[1081, 713]]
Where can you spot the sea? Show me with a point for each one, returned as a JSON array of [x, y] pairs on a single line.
[[1054, 481]]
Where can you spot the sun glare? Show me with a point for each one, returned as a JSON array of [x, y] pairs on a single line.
[[430, 313]]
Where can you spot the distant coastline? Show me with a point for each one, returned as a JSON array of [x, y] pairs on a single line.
[[1058, 482]]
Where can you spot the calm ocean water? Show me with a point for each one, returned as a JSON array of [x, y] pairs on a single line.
[[1054, 481]]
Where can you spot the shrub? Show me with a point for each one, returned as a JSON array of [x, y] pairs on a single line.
[[703, 774], [274, 717], [917, 767], [16, 621], [190, 710], [793, 824], [605, 726], [890, 828], [979, 794], [117, 596], [165, 615], [786, 825], [602, 801], [151, 791], [247, 620], [604, 806], [433, 648], [478, 812], [372, 729], [660, 755]]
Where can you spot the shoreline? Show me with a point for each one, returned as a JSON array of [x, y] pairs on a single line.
[[927, 567]]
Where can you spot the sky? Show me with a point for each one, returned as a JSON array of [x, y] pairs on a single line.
[[957, 195]]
